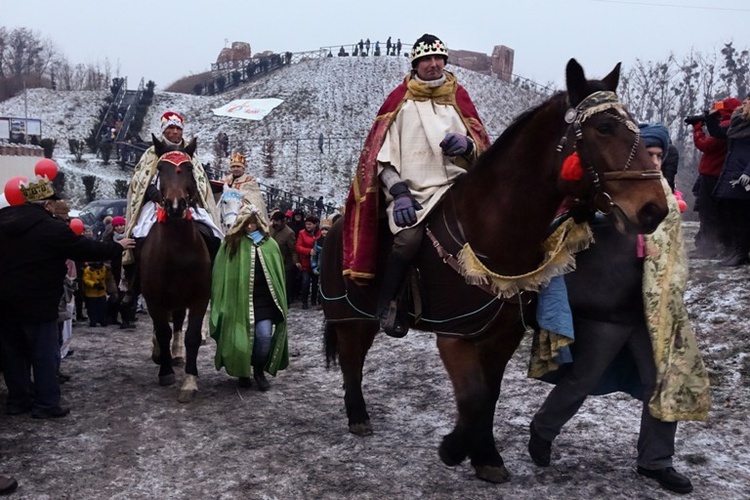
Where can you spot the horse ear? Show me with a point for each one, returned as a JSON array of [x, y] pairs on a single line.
[[613, 78], [191, 147], [576, 82], [159, 148]]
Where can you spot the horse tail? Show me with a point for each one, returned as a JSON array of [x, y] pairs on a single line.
[[330, 340]]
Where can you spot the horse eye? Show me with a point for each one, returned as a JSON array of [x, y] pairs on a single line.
[[605, 128]]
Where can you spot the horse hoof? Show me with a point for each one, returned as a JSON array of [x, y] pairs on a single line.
[[186, 396], [449, 452], [492, 474], [361, 429], [165, 380], [178, 361]]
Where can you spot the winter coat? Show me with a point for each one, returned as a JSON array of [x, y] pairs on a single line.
[[714, 151], [95, 280], [737, 161], [33, 249], [287, 241], [305, 244]]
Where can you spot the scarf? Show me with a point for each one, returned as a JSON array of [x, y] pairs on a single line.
[[420, 90]]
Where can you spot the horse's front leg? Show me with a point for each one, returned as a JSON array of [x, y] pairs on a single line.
[[163, 333], [192, 344], [353, 340], [476, 370]]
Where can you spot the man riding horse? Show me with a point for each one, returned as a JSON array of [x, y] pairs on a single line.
[[426, 135], [144, 198]]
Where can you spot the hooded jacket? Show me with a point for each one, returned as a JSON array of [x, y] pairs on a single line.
[[34, 246]]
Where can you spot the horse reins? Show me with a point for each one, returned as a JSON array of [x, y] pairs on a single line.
[[599, 102]]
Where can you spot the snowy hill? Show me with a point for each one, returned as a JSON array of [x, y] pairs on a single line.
[[337, 97]]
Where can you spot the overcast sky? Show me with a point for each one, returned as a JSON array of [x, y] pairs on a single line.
[[165, 40]]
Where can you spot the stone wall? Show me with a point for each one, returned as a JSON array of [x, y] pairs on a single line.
[[499, 64]]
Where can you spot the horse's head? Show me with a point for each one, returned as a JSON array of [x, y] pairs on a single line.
[[176, 181], [229, 206], [606, 166]]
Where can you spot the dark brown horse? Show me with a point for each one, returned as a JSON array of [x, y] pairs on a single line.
[[175, 267], [502, 208]]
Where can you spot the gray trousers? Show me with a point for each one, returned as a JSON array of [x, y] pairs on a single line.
[[597, 343]]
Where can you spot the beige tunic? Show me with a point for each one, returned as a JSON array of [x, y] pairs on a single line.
[[412, 147]]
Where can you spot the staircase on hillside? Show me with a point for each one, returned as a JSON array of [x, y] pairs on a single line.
[[130, 104]]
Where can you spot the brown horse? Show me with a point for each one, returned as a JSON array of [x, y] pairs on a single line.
[[502, 208], [175, 267]]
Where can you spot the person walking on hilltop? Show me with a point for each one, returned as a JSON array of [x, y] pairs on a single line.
[[426, 135]]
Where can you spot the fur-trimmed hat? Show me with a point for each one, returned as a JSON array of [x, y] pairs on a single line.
[[427, 45], [37, 191], [238, 159], [169, 119]]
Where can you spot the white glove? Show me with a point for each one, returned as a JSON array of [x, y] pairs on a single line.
[[744, 179]]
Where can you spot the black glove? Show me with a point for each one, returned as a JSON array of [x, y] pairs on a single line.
[[456, 145], [405, 206], [153, 194]]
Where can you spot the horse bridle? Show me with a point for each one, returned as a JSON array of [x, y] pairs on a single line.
[[176, 158], [596, 103]]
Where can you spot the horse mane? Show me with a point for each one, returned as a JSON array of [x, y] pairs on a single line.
[[508, 136]]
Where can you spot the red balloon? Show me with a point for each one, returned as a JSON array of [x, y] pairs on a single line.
[[46, 167], [13, 191], [682, 205], [77, 226]]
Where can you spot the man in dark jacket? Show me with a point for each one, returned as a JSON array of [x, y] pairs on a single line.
[[34, 246], [287, 241]]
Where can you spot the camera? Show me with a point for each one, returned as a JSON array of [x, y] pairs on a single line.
[[692, 120]]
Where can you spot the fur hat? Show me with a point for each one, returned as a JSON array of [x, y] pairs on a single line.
[[427, 45], [38, 191], [655, 135], [238, 159], [169, 119], [118, 220]]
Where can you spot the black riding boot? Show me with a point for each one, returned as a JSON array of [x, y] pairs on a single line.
[[260, 378], [392, 321]]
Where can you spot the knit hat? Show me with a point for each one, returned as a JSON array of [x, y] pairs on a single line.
[[170, 118], [655, 135], [37, 191], [118, 220], [728, 106], [289, 214], [427, 45]]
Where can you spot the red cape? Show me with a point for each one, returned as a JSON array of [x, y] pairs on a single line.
[[361, 214]]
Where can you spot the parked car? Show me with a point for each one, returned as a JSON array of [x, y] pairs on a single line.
[[94, 213]]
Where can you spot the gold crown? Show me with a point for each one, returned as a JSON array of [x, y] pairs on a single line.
[[37, 191], [237, 159]]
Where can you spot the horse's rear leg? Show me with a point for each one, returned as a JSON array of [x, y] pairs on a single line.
[[352, 341], [192, 344], [476, 371]]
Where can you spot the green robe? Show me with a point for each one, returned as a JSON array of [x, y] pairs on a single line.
[[232, 316]]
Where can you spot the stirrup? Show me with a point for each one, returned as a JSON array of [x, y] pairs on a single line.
[[391, 323]]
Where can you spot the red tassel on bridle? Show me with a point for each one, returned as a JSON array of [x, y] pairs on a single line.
[[161, 215], [571, 168]]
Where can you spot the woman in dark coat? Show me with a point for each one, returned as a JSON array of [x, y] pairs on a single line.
[[733, 187]]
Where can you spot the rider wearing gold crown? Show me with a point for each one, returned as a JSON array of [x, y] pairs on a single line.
[[246, 184]]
